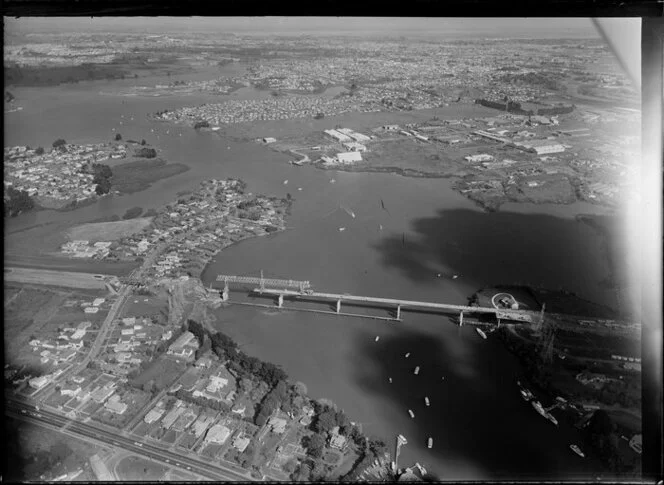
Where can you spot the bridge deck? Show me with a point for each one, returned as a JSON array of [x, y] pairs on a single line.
[[263, 281], [521, 315]]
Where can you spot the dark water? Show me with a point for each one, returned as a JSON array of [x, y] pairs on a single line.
[[481, 427]]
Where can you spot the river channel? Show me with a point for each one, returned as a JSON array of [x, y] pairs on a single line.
[[481, 427]]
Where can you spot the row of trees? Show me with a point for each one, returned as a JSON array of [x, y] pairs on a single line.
[[145, 152], [239, 362], [17, 201], [102, 177]]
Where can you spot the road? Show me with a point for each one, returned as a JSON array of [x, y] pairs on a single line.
[[214, 472]]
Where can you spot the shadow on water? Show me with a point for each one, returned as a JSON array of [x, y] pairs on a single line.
[[480, 427], [503, 248]]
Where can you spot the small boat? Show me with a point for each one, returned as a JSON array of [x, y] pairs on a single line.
[[455, 276], [430, 443], [443, 378], [577, 450], [377, 338], [417, 370], [481, 332], [407, 355], [551, 418], [342, 229], [526, 394], [426, 401], [390, 380], [380, 227], [412, 414], [332, 181], [285, 182], [299, 188]]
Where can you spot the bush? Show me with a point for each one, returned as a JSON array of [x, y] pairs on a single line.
[[201, 124], [59, 143], [133, 213], [39, 151], [118, 137], [19, 201], [145, 152]]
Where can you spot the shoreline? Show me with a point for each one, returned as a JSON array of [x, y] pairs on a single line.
[[488, 206]]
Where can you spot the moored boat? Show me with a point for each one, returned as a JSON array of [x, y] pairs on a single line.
[[481, 332], [417, 370], [377, 338], [426, 401], [577, 450], [430, 443], [551, 418], [412, 414], [538, 407], [407, 355]]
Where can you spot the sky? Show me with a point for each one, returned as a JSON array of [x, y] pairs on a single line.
[[457, 27]]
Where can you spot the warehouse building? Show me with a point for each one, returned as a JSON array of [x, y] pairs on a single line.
[[349, 157]]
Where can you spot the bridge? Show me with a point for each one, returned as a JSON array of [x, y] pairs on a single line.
[[281, 289]]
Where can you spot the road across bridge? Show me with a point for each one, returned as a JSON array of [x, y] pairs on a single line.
[[517, 315]]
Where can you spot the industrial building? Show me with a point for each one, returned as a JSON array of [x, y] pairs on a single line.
[[354, 146], [349, 157], [355, 136], [480, 157], [541, 147], [338, 136]]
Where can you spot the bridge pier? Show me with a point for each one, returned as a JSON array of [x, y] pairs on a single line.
[[338, 306], [224, 293], [280, 301], [461, 319], [398, 312]]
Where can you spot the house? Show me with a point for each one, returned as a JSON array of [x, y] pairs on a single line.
[[269, 140], [129, 320], [217, 434], [67, 355], [240, 443], [216, 383], [184, 346], [91, 309], [115, 405], [349, 157], [39, 382], [336, 440], [98, 301], [153, 415], [70, 390], [278, 425], [101, 394], [204, 362]]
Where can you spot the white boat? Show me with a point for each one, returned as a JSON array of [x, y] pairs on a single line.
[[426, 401], [332, 181], [430, 443], [407, 355], [285, 182], [380, 227], [538, 407], [551, 418], [443, 378], [412, 414], [299, 188], [390, 380], [481, 332], [417, 370], [577, 450], [455, 276], [377, 338], [342, 229]]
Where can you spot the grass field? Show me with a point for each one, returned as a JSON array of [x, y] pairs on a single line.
[[108, 231], [163, 372], [139, 175], [135, 468]]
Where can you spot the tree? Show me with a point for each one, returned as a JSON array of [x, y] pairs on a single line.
[[326, 421], [143, 142], [19, 201], [39, 151], [315, 445], [118, 137], [59, 143]]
